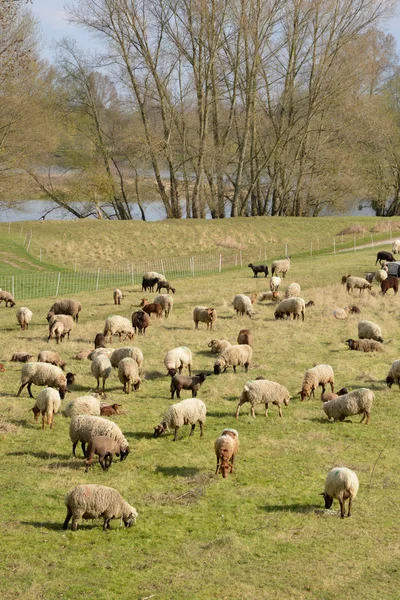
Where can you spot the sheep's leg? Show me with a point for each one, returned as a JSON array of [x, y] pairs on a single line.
[[332, 386], [106, 524], [253, 412], [24, 384], [217, 469], [238, 410], [102, 461], [201, 428], [29, 390], [74, 447], [234, 368], [190, 369], [246, 367], [43, 419], [67, 518], [341, 502], [349, 509], [192, 429], [75, 523], [176, 434], [266, 409], [196, 323], [83, 446], [280, 410], [367, 420], [129, 387]]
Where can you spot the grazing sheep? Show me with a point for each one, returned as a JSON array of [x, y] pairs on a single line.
[[100, 352], [396, 247], [326, 396], [24, 317], [394, 374], [105, 448], [154, 275], [92, 501], [83, 405], [183, 382], [125, 352], [217, 346], [320, 375], [128, 374], [273, 296], [354, 403], [42, 374], [290, 306], [391, 283], [280, 266], [341, 483], [357, 283], [233, 357], [185, 412], [67, 322], [369, 330], [380, 275], [151, 308], [101, 369], [274, 283], [150, 279], [46, 356], [384, 256], [116, 325], [48, 403], [202, 314], [83, 428], [258, 269], [118, 296], [82, 354], [108, 410], [368, 276], [57, 331], [166, 285], [245, 337], [365, 345], [178, 358], [243, 305], [293, 291], [166, 301], [262, 391], [65, 307], [226, 447], [21, 357], [8, 298], [71, 378], [99, 341], [140, 321]]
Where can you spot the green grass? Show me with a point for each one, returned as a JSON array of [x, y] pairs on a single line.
[[260, 533]]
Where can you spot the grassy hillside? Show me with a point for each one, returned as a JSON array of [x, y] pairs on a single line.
[[261, 533]]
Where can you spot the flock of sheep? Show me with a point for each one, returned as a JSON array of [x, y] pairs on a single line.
[[101, 437]]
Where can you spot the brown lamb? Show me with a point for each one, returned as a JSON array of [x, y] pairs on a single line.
[[105, 448]]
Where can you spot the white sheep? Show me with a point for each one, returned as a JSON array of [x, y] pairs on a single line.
[[217, 346], [354, 403], [396, 247], [203, 314], [56, 331], [82, 405], [84, 427], [263, 392], [42, 374], [47, 403], [166, 301], [320, 375], [101, 369], [243, 305], [178, 358], [116, 325], [357, 283], [394, 374], [370, 331], [274, 283], [239, 354], [24, 317], [186, 412], [280, 266], [291, 306], [92, 501], [66, 320], [381, 275], [100, 352], [341, 483], [128, 373], [226, 447], [125, 352], [153, 275], [293, 290], [118, 296]]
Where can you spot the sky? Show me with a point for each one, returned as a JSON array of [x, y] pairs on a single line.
[[55, 26]]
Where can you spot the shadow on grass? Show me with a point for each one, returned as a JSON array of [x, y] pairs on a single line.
[[177, 471], [67, 464], [139, 435], [299, 508], [24, 423], [43, 455], [211, 413], [59, 526], [155, 375]]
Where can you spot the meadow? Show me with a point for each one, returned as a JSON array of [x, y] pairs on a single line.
[[260, 533]]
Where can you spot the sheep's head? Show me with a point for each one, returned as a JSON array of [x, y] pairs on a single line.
[[202, 376], [124, 453], [250, 265], [328, 499], [344, 278], [211, 344], [116, 407], [71, 378], [130, 518], [50, 314], [253, 297], [143, 302], [62, 390], [353, 345], [278, 314], [159, 429], [36, 412], [389, 381], [130, 335], [286, 401], [304, 394], [172, 372], [136, 385], [379, 339]]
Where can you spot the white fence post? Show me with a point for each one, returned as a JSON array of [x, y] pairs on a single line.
[[25, 239], [29, 243], [162, 267], [133, 276], [12, 286], [311, 249], [372, 240], [355, 242], [40, 255], [334, 246], [286, 249], [265, 255], [192, 265], [240, 257], [98, 278], [20, 233], [58, 283], [220, 263]]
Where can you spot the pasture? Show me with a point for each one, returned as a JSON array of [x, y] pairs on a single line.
[[260, 533]]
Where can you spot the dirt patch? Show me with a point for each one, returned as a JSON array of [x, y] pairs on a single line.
[[7, 427]]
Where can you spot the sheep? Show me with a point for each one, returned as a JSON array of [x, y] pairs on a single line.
[[368, 276], [148, 284], [273, 296], [233, 357], [140, 321], [166, 285], [243, 305], [369, 330], [153, 275], [82, 354], [217, 346], [105, 448], [258, 269], [309, 304], [118, 325], [83, 428], [166, 301], [24, 317], [280, 266], [92, 501], [100, 352], [396, 247], [101, 369], [82, 405], [380, 275], [118, 296], [341, 483], [391, 283], [39, 373], [293, 291], [290, 306], [178, 358], [320, 375], [394, 374], [151, 308], [245, 337], [357, 283], [124, 352], [56, 331], [108, 410], [65, 307], [203, 314], [342, 313], [185, 412], [226, 447], [326, 396], [8, 298], [384, 256], [99, 341], [182, 382], [128, 373], [274, 283], [354, 403], [53, 358], [365, 345], [21, 357], [48, 403], [263, 392], [71, 378], [66, 320]]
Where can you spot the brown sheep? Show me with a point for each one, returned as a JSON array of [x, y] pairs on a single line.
[[107, 410], [140, 321], [99, 341], [21, 357], [183, 382], [226, 447], [245, 337], [105, 448], [150, 308]]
